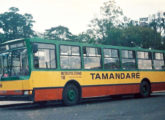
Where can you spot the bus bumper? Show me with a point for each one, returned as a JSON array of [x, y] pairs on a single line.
[[16, 98]]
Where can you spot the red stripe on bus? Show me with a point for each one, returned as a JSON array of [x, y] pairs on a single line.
[[48, 94], [11, 92], [96, 91], [157, 86]]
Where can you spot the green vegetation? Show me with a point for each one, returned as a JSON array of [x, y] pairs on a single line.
[[14, 25], [111, 28], [59, 33]]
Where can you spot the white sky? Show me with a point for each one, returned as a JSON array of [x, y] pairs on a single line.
[[76, 14]]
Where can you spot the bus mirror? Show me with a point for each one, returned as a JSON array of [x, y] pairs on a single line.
[[35, 48]]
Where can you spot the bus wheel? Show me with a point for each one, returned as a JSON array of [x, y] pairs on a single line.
[[145, 89], [71, 95]]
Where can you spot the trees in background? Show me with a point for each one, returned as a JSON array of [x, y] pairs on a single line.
[[59, 33], [111, 18], [111, 28], [14, 25], [139, 36], [158, 23]]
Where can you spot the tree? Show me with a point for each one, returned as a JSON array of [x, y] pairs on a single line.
[[111, 18], [113, 28], [15, 25], [163, 43], [114, 37], [1, 37], [59, 33], [111, 13], [139, 36], [158, 24], [85, 37]]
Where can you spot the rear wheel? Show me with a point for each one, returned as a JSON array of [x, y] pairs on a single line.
[[71, 95], [145, 89]]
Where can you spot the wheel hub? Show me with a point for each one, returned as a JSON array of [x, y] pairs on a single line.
[[71, 95]]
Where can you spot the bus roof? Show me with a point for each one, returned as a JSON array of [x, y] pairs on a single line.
[[11, 41], [36, 39], [91, 45]]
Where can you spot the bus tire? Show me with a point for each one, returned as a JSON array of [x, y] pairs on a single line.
[[145, 89], [71, 95]]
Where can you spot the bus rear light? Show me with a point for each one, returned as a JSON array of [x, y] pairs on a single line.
[[27, 92], [30, 92]]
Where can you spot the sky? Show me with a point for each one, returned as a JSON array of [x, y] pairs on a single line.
[[77, 14]]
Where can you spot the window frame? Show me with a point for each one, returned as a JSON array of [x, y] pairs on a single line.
[[101, 55], [11, 67], [70, 55], [154, 59], [134, 57], [150, 57], [91, 47], [118, 57], [45, 48], [154, 56]]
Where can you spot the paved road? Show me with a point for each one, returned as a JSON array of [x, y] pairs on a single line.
[[152, 108]]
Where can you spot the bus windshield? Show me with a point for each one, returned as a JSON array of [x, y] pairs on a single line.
[[14, 63]]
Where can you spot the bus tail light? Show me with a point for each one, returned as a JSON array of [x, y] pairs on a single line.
[[27, 92]]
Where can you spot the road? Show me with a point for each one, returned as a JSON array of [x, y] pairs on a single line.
[[127, 108]]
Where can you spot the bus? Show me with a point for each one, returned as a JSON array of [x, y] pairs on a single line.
[[41, 70]]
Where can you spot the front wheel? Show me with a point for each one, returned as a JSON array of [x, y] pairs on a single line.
[[145, 89], [71, 95]]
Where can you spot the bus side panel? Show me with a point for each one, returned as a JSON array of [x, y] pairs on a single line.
[[47, 94], [158, 86], [95, 91], [11, 92], [156, 78]]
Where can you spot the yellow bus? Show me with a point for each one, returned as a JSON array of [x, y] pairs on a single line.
[[41, 70]]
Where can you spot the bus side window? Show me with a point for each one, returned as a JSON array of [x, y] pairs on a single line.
[[70, 57], [92, 58], [111, 59], [128, 59], [44, 56], [144, 60], [158, 61]]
